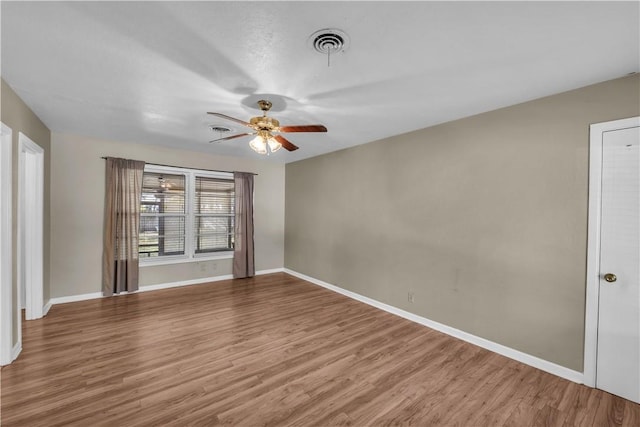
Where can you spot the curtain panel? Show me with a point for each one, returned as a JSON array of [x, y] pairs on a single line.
[[123, 191], [243, 258]]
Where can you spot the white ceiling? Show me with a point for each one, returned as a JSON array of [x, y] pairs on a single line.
[[146, 72]]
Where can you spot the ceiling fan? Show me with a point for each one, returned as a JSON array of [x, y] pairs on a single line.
[[264, 127]]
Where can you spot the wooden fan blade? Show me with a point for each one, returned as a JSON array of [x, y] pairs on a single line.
[[302, 128], [286, 144], [231, 137], [224, 116]]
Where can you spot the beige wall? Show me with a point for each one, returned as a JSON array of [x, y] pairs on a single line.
[[77, 212], [484, 219], [15, 114]]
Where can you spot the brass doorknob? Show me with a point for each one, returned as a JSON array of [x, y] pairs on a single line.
[[610, 277]]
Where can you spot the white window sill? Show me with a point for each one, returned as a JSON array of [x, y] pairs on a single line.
[[167, 261]]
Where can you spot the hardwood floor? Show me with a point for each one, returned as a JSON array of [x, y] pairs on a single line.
[[274, 350]]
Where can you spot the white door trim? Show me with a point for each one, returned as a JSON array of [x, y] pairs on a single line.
[[593, 241], [6, 230], [30, 224]]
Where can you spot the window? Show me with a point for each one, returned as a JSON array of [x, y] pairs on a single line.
[[185, 214], [163, 215], [213, 214]]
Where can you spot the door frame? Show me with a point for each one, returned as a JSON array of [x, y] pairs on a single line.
[[30, 226], [596, 137], [6, 229]]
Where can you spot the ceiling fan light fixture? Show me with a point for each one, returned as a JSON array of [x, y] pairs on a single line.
[[265, 143], [273, 145], [258, 145]]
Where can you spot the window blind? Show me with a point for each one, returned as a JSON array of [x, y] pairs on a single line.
[[163, 215], [213, 208]]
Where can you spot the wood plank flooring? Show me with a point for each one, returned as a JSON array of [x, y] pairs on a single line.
[[278, 351]]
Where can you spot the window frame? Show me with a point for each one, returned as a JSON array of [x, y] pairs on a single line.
[[190, 254]]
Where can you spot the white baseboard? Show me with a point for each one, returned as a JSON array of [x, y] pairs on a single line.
[[271, 271], [199, 281], [15, 351], [183, 283], [146, 288], [46, 308], [75, 298], [511, 353]]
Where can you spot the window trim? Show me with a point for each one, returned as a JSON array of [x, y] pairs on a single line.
[[189, 244]]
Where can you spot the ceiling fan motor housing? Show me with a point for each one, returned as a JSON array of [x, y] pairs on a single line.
[[264, 123]]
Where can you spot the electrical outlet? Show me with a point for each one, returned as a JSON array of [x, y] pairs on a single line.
[[410, 296]]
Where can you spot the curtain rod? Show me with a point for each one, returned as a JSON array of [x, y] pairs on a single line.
[[184, 167]]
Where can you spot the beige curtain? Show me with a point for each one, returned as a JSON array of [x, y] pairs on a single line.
[[243, 261], [121, 225]]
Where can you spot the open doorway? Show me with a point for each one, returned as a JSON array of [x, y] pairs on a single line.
[[30, 226]]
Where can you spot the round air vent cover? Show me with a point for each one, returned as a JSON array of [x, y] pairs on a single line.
[[329, 40]]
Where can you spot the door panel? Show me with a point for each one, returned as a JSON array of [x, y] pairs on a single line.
[[618, 357]]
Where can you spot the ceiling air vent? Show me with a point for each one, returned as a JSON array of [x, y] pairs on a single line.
[[329, 41], [221, 129]]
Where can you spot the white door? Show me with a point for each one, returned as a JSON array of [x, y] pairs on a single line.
[[618, 348]]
